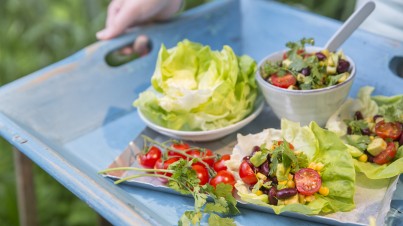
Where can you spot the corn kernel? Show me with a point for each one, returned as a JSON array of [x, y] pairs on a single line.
[[319, 166], [363, 158], [290, 176], [291, 184], [259, 192], [312, 165], [284, 182], [301, 198], [261, 176], [324, 190], [325, 52], [371, 137]]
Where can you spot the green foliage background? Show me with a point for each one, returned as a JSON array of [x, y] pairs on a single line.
[[36, 33]]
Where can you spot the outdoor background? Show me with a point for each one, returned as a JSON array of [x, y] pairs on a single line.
[[37, 33]]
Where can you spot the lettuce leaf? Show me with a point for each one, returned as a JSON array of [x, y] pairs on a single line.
[[196, 88], [390, 107], [319, 145]]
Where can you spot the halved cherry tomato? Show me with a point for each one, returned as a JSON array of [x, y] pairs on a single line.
[[284, 81], [386, 155], [307, 181], [223, 176], [246, 173], [160, 164], [220, 164], [178, 147], [201, 173], [390, 130], [149, 159], [206, 156]]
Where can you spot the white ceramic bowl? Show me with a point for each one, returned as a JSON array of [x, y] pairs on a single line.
[[304, 106]]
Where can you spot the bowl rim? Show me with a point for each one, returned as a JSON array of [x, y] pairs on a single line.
[[266, 84]]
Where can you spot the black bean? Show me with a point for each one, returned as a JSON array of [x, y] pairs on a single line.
[[370, 157], [306, 71], [376, 117], [246, 157], [264, 168], [366, 131], [349, 130], [320, 56], [273, 196], [358, 115], [401, 139], [255, 149], [274, 180], [343, 66], [286, 193]]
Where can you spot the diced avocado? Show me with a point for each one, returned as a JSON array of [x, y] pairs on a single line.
[[281, 172], [376, 146], [354, 152], [292, 199], [286, 62], [258, 158], [331, 70]]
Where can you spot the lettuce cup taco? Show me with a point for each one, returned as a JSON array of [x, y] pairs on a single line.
[[371, 127], [300, 169]]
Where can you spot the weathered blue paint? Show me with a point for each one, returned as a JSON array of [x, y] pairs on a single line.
[[74, 117]]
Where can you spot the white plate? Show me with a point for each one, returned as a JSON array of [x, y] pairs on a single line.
[[205, 135]]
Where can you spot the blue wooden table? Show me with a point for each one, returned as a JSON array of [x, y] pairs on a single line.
[[74, 117]]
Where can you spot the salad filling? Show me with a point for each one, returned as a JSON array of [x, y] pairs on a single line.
[[372, 129], [302, 70], [300, 169]]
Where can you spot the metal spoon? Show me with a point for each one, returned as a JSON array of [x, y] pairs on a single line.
[[352, 23]]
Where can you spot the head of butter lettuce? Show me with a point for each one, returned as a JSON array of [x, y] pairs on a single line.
[[319, 145], [197, 89], [370, 106]]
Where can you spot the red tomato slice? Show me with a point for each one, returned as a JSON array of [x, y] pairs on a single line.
[[149, 159], [223, 176], [202, 174], [390, 130], [220, 164], [246, 173], [307, 181], [386, 155], [284, 81]]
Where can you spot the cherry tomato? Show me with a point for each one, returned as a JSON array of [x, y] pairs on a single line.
[[246, 173], [307, 181], [386, 155], [149, 159], [289, 144], [207, 156], [223, 176], [160, 164], [178, 147], [220, 164], [283, 81], [299, 52], [390, 130], [201, 173]]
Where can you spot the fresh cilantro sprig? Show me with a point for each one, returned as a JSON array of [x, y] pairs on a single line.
[[185, 181]]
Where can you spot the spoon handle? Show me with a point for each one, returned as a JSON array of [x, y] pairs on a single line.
[[352, 23]]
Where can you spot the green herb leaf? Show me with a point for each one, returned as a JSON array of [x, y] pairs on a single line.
[[216, 220]]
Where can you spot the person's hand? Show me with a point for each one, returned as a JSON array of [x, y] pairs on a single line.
[[124, 14]]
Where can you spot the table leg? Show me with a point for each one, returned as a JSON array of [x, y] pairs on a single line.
[[25, 189]]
